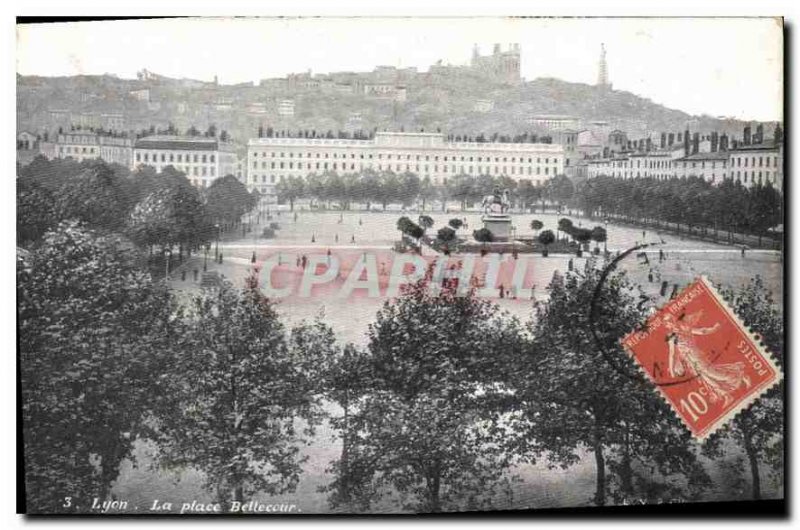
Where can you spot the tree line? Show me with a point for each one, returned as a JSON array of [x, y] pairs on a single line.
[[445, 398], [160, 212], [695, 202], [370, 187]]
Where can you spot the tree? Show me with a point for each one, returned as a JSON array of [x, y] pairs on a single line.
[[561, 189], [408, 188], [237, 389], [227, 199], [582, 236], [347, 379], [759, 429], [460, 188], [599, 235], [94, 336], [578, 389], [425, 221], [484, 235], [36, 211], [546, 238], [455, 223], [446, 234], [96, 196], [369, 188], [169, 215], [426, 427], [536, 225], [388, 188], [290, 188], [427, 191]]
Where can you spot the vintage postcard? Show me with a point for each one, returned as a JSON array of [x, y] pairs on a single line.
[[290, 266]]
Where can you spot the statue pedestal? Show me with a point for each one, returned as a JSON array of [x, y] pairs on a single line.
[[499, 224]]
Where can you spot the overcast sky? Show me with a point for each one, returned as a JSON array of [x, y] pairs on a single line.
[[716, 66]]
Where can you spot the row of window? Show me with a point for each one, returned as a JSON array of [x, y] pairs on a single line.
[[482, 170], [762, 161], [77, 150], [380, 156], [172, 157], [735, 162], [197, 171]]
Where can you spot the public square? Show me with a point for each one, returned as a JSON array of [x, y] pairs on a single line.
[[376, 233]]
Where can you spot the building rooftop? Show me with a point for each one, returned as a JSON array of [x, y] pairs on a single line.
[[766, 145], [179, 143], [718, 155]]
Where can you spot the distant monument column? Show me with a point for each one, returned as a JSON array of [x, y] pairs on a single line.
[[602, 69]]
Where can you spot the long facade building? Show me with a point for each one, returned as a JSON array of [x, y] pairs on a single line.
[[426, 154], [87, 145], [202, 159], [747, 164]]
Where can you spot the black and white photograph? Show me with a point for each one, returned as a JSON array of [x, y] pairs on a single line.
[[318, 265]]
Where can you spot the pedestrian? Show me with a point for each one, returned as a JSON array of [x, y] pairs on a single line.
[[353, 238], [297, 262], [664, 286], [313, 239], [220, 258], [195, 275], [304, 261], [650, 276], [360, 222], [674, 291], [336, 238], [570, 265], [660, 255], [742, 251], [502, 291]]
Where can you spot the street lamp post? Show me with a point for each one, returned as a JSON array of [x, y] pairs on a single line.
[[605, 242], [205, 258], [167, 256], [216, 244]]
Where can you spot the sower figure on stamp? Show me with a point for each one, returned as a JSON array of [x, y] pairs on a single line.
[[719, 379]]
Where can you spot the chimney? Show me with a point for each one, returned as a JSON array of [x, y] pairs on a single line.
[[695, 143], [714, 141], [605, 152], [649, 144], [671, 139], [723, 142], [747, 138], [663, 140], [686, 143], [778, 134], [629, 145], [759, 134]]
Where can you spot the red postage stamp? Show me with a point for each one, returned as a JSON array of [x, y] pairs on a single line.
[[703, 360]]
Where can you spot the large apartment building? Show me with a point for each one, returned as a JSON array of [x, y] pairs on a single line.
[[202, 159], [748, 162], [426, 154]]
